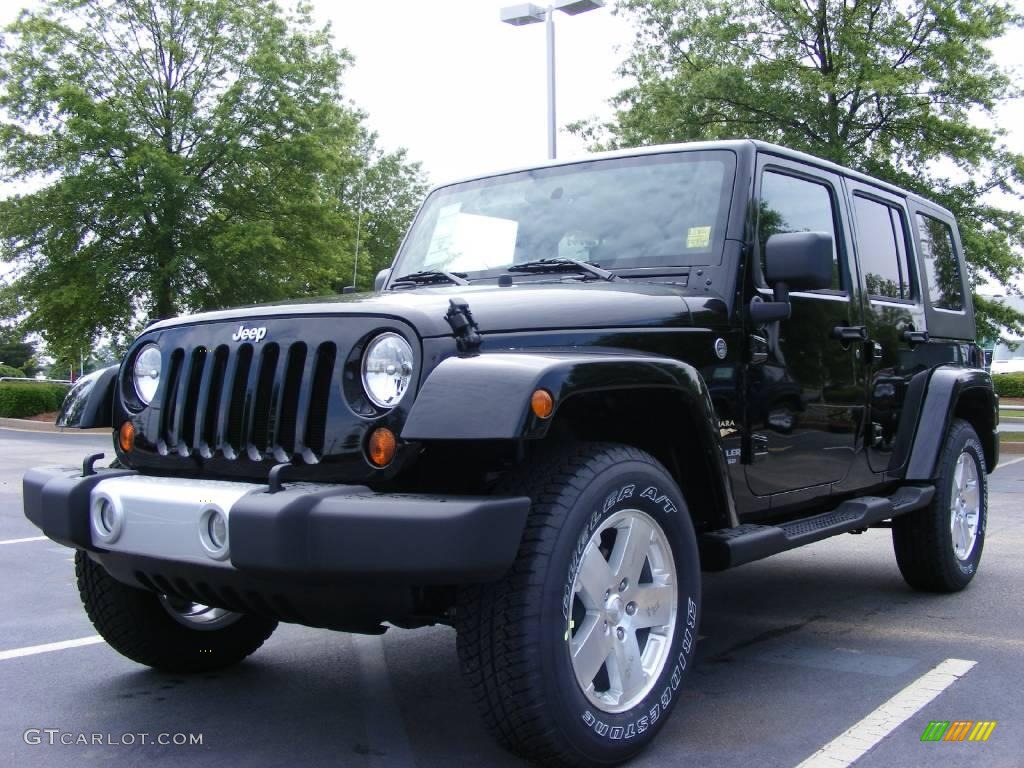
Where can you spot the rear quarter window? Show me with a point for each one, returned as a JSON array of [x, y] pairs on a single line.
[[941, 267]]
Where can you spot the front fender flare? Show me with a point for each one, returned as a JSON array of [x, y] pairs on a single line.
[[487, 397]]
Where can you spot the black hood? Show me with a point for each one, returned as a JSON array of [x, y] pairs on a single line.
[[520, 307]]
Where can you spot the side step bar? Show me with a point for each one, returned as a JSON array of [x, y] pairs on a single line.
[[729, 547]]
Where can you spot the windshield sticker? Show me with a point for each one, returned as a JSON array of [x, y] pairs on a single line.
[[439, 251], [466, 242], [482, 242], [698, 237]]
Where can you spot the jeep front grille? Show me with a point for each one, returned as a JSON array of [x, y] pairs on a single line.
[[258, 401]]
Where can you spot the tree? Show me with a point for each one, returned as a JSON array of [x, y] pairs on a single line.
[[382, 196], [901, 89], [16, 352], [188, 155]]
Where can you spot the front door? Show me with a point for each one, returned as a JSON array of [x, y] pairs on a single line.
[[805, 402]]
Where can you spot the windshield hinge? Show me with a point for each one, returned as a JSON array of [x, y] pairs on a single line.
[[464, 327]]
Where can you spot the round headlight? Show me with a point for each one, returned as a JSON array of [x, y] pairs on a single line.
[[146, 376], [387, 369]]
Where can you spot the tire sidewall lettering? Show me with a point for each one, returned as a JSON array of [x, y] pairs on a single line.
[[625, 726]]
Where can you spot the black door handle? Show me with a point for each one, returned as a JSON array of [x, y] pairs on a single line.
[[915, 337], [850, 333]]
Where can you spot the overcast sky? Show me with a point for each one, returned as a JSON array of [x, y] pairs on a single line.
[[465, 93]]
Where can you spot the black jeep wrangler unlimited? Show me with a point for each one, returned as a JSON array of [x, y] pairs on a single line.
[[579, 386]]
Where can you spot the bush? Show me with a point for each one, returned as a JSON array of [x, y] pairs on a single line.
[[10, 370], [1009, 384], [19, 399]]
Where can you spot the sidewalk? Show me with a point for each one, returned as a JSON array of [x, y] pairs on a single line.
[[28, 425]]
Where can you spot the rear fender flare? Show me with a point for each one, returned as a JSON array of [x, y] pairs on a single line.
[[947, 386]]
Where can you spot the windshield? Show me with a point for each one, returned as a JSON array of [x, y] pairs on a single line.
[[658, 210]]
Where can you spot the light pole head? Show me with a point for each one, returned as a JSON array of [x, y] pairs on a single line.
[[522, 14], [574, 7]]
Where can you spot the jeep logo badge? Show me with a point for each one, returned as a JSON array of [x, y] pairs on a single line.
[[249, 334]]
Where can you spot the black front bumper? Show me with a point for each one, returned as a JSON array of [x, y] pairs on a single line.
[[309, 532]]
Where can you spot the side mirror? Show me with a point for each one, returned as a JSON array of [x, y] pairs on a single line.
[[381, 279], [797, 261], [800, 260]]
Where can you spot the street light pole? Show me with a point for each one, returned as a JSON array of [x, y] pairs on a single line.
[[528, 13], [552, 125]]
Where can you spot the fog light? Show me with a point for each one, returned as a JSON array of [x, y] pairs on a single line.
[[382, 446], [126, 436], [218, 528], [106, 516], [213, 533], [107, 520]]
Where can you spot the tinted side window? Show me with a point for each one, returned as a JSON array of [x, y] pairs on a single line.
[[791, 204], [881, 244], [942, 270]]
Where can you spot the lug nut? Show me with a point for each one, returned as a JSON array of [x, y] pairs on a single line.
[[630, 607], [620, 633], [623, 584], [607, 594]]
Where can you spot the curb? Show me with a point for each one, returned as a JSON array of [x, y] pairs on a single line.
[[1011, 447], [27, 425]]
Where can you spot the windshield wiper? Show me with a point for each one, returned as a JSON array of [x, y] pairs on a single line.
[[563, 265], [428, 276]]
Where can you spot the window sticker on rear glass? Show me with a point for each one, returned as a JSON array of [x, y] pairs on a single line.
[[698, 237]]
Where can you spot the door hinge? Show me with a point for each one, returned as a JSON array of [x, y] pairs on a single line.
[[758, 349]]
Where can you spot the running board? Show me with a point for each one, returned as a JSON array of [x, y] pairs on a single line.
[[729, 547]]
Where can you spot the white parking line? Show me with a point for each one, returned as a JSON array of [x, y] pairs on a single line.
[[22, 541], [385, 728], [850, 746], [32, 650], [1011, 461]]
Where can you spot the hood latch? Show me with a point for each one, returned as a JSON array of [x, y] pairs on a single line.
[[464, 327]]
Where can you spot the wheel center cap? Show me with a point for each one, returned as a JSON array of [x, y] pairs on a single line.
[[613, 609]]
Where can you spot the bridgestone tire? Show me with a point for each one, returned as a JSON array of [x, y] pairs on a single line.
[[923, 540], [136, 625], [515, 636]]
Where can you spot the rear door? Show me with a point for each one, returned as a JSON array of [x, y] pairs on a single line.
[[896, 350]]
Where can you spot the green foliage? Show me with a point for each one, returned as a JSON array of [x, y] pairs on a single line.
[[1009, 384], [10, 370], [19, 399], [387, 182], [905, 91], [191, 155], [16, 352]]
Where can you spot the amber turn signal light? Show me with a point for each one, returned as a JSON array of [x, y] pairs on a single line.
[[126, 436], [382, 446], [542, 404]]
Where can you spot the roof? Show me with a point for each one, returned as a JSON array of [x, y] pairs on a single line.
[[740, 146]]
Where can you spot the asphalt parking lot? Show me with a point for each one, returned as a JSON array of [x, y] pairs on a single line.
[[794, 651]]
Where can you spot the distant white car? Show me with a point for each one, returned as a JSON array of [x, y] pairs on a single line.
[[1008, 357]]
